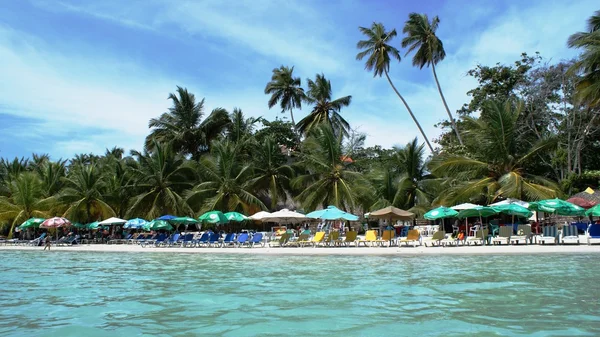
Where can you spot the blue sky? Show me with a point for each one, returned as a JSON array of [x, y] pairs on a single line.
[[83, 76]]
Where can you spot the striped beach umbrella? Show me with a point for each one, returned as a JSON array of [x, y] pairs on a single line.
[[55, 223]]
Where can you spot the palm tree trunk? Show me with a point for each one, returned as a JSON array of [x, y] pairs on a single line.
[[410, 112], [446, 105]]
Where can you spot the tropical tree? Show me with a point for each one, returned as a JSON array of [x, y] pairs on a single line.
[[327, 178], [118, 182], [160, 179], [272, 174], [182, 126], [589, 62], [379, 52], [285, 90], [26, 201], [429, 51], [497, 164], [325, 109], [226, 181], [241, 128], [83, 196]]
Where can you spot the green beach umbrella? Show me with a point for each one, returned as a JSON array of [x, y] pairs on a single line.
[[215, 217], [80, 225], [93, 225], [594, 211], [440, 213], [33, 222], [479, 211], [157, 225], [514, 210], [235, 216], [556, 206], [184, 220]]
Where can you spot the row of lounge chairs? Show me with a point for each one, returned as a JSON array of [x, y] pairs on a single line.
[[206, 239], [39, 241]]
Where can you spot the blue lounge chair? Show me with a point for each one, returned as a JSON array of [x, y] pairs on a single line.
[[202, 240], [242, 239], [229, 240], [142, 238], [569, 233], [214, 239], [593, 233], [186, 240], [256, 239], [549, 233], [172, 240], [158, 240], [38, 241]]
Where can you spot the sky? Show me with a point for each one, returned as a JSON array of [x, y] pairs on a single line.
[[84, 76]]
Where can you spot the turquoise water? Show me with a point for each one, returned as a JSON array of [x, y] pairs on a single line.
[[134, 294]]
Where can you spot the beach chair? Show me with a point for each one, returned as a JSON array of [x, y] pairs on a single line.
[[143, 238], [302, 238], [453, 240], [186, 240], [316, 240], [349, 239], [38, 241], [549, 233], [228, 240], [387, 238], [413, 236], [256, 239], [133, 238], [172, 240], [437, 237], [332, 239], [214, 240], [479, 237], [504, 234], [242, 239], [569, 234], [117, 241], [523, 234], [154, 241], [593, 233], [203, 239], [370, 237]]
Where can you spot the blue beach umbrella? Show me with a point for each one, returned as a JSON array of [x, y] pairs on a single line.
[[166, 217], [332, 213], [135, 223]]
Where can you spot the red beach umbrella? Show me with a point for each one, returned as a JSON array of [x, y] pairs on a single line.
[[581, 202]]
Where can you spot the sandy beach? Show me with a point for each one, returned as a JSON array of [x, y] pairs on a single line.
[[403, 251]]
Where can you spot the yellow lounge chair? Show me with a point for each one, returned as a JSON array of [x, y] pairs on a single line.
[[283, 240], [387, 237], [437, 237], [350, 238], [370, 237], [333, 239], [319, 237], [301, 238], [413, 236]]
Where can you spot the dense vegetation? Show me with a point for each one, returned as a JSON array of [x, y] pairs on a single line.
[[529, 131]]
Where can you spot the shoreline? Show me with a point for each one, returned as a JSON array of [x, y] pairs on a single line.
[[324, 251]]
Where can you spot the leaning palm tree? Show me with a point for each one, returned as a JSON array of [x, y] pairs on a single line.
[[326, 110], [429, 50], [160, 179], [327, 179], [26, 201], [182, 126], [286, 90], [497, 165], [227, 182], [588, 88], [379, 52], [83, 196]]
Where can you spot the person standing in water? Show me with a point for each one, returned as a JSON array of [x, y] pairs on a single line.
[[47, 242]]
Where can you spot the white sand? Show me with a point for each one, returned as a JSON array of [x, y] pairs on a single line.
[[419, 250]]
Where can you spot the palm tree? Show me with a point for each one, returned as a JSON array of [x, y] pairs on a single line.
[[118, 183], [183, 127], [379, 51], [327, 179], [496, 167], [588, 88], [26, 200], [429, 50], [160, 179], [227, 182], [273, 176], [241, 128], [52, 175], [325, 109], [286, 90], [83, 196]]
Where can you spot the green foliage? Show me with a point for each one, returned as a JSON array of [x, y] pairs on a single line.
[[282, 133], [286, 90]]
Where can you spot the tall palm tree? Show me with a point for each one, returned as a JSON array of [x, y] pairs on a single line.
[[52, 175], [286, 90], [241, 127], [160, 179], [183, 127], [83, 196], [588, 88], [327, 179], [26, 201], [272, 175], [118, 191], [379, 52], [325, 110], [496, 167], [429, 50], [227, 182]]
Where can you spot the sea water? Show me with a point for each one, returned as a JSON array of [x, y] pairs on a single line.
[[138, 294]]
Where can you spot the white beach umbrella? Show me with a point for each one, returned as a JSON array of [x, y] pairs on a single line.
[[259, 216], [112, 221], [464, 206], [511, 201], [285, 216]]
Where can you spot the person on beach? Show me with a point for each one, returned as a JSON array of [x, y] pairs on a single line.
[[47, 240]]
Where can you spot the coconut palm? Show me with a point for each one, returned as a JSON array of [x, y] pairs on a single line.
[[160, 179], [226, 182], [325, 110], [182, 126], [588, 87], [83, 196], [241, 128], [286, 90], [379, 52], [327, 179], [496, 167], [429, 50], [272, 175], [26, 200], [118, 182]]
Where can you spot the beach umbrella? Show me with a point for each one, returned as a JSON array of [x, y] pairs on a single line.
[[513, 209], [510, 201], [581, 202], [55, 223], [184, 220], [332, 213], [259, 216], [440, 213], [392, 213], [214, 217], [158, 225], [556, 206], [167, 217], [594, 211], [590, 195], [236, 217], [79, 225], [464, 206], [285, 216], [135, 223], [33, 222], [112, 221], [480, 211]]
